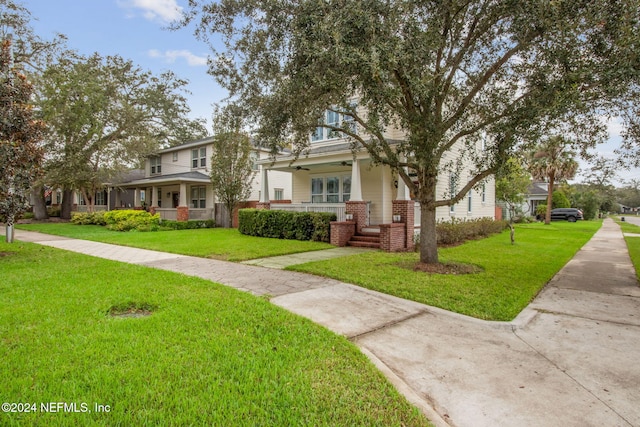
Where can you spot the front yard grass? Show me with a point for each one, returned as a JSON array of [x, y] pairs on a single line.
[[633, 242], [511, 276], [207, 354], [219, 243]]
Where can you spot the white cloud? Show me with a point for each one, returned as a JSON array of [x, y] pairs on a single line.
[[155, 10], [171, 56]]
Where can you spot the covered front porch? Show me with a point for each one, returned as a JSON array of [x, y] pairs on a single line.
[[363, 196], [177, 197]]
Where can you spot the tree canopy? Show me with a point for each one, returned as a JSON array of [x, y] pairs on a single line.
[[104, 114], [452, 75], [20, 137]]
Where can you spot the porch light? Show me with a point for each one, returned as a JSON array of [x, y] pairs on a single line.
[[396, 218], [349, 217]]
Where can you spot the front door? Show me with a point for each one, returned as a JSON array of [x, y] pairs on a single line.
[[176, 199]]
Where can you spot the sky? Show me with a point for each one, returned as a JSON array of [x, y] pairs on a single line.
[[137, 30]]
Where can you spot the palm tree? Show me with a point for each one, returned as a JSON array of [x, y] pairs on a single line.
[[552, 161]]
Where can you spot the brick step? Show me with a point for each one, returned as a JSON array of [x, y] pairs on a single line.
[[367, 238], [361, 244]]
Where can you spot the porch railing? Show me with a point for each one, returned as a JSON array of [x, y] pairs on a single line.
[[171, 214]]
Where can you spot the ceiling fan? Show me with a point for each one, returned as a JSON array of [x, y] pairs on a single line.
[[300, 168]]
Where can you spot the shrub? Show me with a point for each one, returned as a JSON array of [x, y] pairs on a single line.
[[126, 220], [88, 218], [459, 230], [188, 225], [285, 224]]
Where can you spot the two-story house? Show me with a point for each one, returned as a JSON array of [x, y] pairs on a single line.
[[177, 186], [330, 174]]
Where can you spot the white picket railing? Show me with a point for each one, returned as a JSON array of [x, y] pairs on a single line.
[[336, 208]]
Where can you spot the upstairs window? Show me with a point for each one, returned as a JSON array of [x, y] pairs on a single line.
[[335, 119], [156, 166], [199, 158]]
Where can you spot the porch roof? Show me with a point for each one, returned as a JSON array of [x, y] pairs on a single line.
[[319, 155], [192, 176]]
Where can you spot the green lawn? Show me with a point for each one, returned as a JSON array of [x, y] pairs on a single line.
[[220, 243], [207, 355], [633, 243], [511, 276]]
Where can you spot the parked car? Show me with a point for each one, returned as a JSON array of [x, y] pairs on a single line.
[[569, 214]]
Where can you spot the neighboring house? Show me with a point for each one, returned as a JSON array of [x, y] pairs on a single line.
[[176, 182], [536, 195], [330, 174], [114, 196]]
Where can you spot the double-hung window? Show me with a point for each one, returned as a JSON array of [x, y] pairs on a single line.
[[198, 196], [156, 165], [199, 157], [453, 185]]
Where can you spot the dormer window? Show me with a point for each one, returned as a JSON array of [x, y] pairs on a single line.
[[156, 165], [199, 158]]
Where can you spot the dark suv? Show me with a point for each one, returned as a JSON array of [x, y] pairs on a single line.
[[570, 214]]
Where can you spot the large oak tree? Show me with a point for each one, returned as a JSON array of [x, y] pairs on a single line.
[[448, 72], [104, 114]]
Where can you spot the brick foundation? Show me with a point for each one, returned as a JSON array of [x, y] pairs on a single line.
[[405, 208], [341, 232], [261, 205], [393, 237], [182, 213]]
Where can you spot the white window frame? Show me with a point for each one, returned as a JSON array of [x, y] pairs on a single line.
[[453, 184], [199, 158], [342, 195], [200, 199], [278, 194], [333, 118], [175, 156], [156, 165]]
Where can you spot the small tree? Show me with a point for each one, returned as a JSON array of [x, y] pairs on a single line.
[[512, 181], [231, 166], [20, 154], [552, 161]]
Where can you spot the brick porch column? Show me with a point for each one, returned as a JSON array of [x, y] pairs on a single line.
[[405, 208], [263, 205], [182, 213], [359, 211]]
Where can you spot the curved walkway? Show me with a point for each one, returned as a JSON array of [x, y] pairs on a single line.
[[570, 359]]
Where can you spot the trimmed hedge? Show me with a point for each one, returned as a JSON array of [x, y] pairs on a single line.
[[459, 230], [285, 224], [187, 225]]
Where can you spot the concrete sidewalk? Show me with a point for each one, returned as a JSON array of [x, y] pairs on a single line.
[[570, 359]]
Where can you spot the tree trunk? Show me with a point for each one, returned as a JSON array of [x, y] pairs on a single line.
[[39, 205], [9, 229], [547, 218], [428, 237], [67, 204]]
